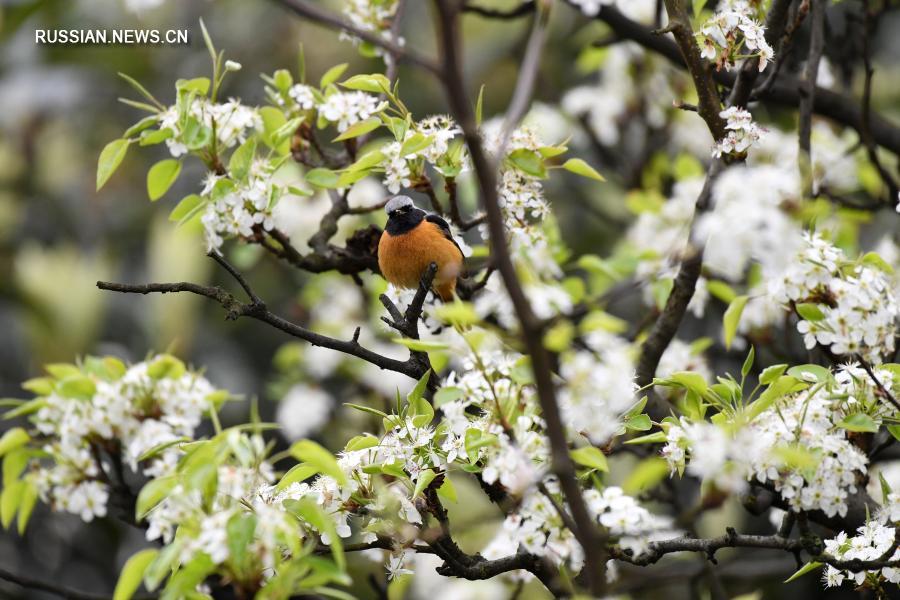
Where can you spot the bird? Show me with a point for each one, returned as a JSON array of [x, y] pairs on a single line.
[[411, 241]]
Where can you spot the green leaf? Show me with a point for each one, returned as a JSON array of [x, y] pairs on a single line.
[[195, 134], [424, 480], [332, 74], [26, 505], [375, 83], [648, 473], [690, 380], [152, 494], [579, 167], [187, 208], [9, 502], [240, 530], [110, 158], [418, 392], [894, 430], [321, 177], [811, 373], [638, 423], [166, 366], [770, 374], [139, 88], [296, 474], [807, 568], [307, 509], [161, 176], [198, 85], [528, 161], [141, 126], [14, 463], [658, 437], [810, 311], [778, 389], [457, 313], [721, 290], [165, 562], [361, 442], [860, 422], [133, 573], [590, 457], [447, 394], [367, 161], [447, 490], [358, 129], [421, 345], [479, 106], [273, 119], [241, 159], [316, 456], [732, 318], [748, 362], [415, 143], [12, 439], [152, 137], [872, 259]]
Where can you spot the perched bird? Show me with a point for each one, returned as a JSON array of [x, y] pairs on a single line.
[[412, 240]]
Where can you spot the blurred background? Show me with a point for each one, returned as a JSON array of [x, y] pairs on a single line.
[[58, 237]]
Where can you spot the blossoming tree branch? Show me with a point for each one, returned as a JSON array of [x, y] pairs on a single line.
[[575, 390]]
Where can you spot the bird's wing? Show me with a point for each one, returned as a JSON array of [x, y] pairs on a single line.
[[445, 228]]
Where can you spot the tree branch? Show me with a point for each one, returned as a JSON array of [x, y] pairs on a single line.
[[784, 92], [531, 327], [329, 19], [413, 367]]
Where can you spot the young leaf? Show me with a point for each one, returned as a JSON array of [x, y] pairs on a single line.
[[322, 178], [12, 439], [732, 318], [748, 362], [770, 374], [528, 161], [424, 480], [152, 494], [110, 158], [241, 159], [26, 505], [161, 176], [187, 208], [375, 83], [332, 74], [133, 573], [809, 311], [315, 455], [479, 106], [807, 568], [860, 422], [358, 129], [590, 457], [579, 167]]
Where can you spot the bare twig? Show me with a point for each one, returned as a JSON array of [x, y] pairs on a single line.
[[413, 367], [328, 19], [521, 10], [807, 88]]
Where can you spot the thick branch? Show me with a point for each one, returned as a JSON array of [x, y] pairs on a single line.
[[531, 326], [56, 590]]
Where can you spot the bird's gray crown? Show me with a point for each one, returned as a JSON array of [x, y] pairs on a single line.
[[397, 202]]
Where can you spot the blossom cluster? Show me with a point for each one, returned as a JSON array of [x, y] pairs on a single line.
[[730, 30], [798, 445], [600, 386], [742, 132], [188, 125], [847, 307], [537, 526], [237, 208], [375, 16], [106, 406], [873, 541]]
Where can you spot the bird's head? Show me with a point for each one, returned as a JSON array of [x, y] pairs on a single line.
[[399, 206]]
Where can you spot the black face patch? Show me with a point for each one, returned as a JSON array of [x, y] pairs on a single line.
[[403, 221]]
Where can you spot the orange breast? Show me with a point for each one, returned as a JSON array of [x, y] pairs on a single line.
[[404, 258]]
